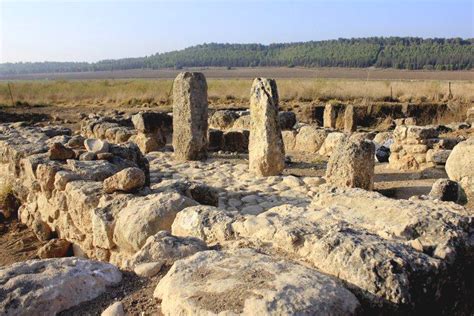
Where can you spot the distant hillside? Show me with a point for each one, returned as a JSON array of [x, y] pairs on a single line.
[[392, 52]]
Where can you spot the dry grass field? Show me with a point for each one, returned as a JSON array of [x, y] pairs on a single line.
[[304, 85]]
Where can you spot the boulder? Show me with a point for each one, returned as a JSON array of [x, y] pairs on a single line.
[[190, 115], [41, 230], [236, 141], [459, 166], [47, 287], [438, 156], [127, 180], [242, 123], [382, 153], [148, 142], [310, 138], [245, 282], [55, 248], [266, 150], [76, 141], [87, 156], [332, 141], [96, 170], [165, 249], [287, 120], [58, 151], [96, 146], [352, 165], [223, 120], [148, 269], [143, 217], [445, 190], [382, 137], [105, 156], [289, 139], [203, 222]]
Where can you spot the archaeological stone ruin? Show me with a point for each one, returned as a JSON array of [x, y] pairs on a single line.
[[249, 211]]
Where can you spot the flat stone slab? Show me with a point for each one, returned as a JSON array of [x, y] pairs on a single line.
[[46, 287], [383, 270], [246, 282]]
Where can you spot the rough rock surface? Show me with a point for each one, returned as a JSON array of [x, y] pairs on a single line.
[[55, 248], [403, 255], [148, 142], [331, 142], [286, 119], [96, 146], [165, 249], [126, 180], [237, 188], [145, 216], [310, 138], [46, 287], [245, 282], [459, 166], [438, 156], [350, 119], [190, 115], [223, 120], [332, 112], [410, 147], [266, 150], [236, 141], [352, 165], [445, 190], [58, 151]]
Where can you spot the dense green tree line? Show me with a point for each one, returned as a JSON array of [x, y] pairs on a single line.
[[391, 52]]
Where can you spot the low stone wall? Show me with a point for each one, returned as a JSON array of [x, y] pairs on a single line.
[[66, 198], [116, 129]]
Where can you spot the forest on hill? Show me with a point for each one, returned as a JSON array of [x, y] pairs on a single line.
[[390, 52]]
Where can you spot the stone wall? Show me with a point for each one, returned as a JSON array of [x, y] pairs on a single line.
[[67, 199], [410, 147]]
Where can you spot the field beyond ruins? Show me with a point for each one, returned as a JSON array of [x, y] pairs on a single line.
[[152, 88], [217, 195]]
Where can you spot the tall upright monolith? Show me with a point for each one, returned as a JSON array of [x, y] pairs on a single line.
[[266, 150], [350, 120], [190, 113]]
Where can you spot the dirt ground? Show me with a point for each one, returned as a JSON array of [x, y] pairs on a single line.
[[18, 243]]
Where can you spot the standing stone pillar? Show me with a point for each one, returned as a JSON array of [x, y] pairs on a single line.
[[190, 113], [266, 151], [350, 122], [330, 116]]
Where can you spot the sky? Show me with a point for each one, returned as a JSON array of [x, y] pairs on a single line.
[[73, 30]]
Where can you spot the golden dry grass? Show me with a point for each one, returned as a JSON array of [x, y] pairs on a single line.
[[147, 92]]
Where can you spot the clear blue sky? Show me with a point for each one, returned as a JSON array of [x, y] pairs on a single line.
[[92, 30]]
